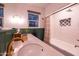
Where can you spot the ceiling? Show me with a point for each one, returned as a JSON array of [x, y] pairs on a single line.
[[45, 4], [38, 4]]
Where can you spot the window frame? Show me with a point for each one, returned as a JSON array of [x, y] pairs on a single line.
[[2, 16], [35, 13]]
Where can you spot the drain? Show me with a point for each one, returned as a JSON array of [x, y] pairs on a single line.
[[42, 49]]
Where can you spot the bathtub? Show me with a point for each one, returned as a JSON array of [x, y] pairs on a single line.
[[65, 46], [34, 47]]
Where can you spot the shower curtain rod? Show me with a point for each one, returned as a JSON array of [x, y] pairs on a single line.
[[62, 9]]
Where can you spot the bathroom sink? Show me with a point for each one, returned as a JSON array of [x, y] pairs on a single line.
[[32, 49]]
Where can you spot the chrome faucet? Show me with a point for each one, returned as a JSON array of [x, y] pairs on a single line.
[[10, 50]]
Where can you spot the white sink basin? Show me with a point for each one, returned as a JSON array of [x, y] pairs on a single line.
[[31, 49]]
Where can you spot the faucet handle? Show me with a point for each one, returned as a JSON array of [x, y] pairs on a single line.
[[18, 39], [76, 46]]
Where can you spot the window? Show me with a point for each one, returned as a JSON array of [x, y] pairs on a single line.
[[1, 14], [33, 18]]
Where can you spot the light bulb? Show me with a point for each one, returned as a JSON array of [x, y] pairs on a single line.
[[17, 20]]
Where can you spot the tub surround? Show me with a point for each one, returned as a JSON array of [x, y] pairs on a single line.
[[6, 36], [38, 32], [48, 50]]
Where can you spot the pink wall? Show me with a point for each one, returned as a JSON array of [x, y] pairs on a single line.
[[50, 8], [12, 9], [67, 35]]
